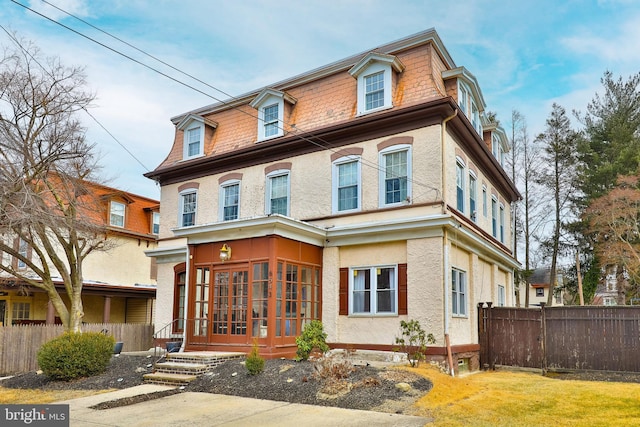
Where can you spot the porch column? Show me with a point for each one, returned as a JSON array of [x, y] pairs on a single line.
[[106, 313], [51, 314]]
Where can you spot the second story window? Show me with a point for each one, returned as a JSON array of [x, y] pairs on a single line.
[[346, 188], [494, 217], [460, 187], [473, 189], [116, 214], [188, 209], [155, 222], [484, 201], [502, 223], [230, 195], [278, 193], [394, 182], [23, 250]]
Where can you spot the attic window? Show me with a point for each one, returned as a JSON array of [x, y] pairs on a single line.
[[270, 106], [193, 127], [374, 75]]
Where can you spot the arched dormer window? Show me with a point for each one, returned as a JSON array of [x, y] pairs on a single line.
[[270, 106], [374, 75], [193, 128]]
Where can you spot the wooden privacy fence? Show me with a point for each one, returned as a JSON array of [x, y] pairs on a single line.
[[19, 344], [556, 338]]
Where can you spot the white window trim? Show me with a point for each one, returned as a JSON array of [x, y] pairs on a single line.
[[275, 174], [461, 169], [223, 187], [463, 311], [473, 213], [112, 203], [155, 215], [501, 222], [502, 293], [484, 201], [334, 183], [373, 63], [267, 98], [181, 211], [494, 217], [374, 291], [200, 153], [382, 175], [193, 122]]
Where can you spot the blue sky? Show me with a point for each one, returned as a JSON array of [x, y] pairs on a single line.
[[525, 54]]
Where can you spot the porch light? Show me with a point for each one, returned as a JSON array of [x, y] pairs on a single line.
[[225, 253]]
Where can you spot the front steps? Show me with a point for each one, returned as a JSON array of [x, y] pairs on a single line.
[[181, 368]]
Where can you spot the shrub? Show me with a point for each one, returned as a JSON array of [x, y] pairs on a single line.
[[313, 337], [76, 355], [254, 362], [413, 341]]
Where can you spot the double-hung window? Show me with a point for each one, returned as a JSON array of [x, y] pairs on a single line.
[[458, 292], [494, 217], [473, 189], [501, 296], [155, 222], [230, 201], [374, 290], [484, 201], [116, 214], [270, 114], [394, 182], [374, 91], [460, 186], [278, 193], [193, 141], [188, 204], [23, 250], [346, 178], [501, 223], [374, 73]]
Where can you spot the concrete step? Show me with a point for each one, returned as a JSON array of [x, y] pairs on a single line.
[[171, 367], [169, 379]]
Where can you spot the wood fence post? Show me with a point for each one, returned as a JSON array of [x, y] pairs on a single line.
[[492, 364], [543, 341], [482, 334]]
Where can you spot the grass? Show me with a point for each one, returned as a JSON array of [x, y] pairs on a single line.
[[503, 398], [38, 397]]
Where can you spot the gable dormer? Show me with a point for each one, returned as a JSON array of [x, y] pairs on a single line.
[[270, 104], [374, 73], [193, 128], [468, 96], [496, 139]]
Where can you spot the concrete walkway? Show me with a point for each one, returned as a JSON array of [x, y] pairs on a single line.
[[206, 409]]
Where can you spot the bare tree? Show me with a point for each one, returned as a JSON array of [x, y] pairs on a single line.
[[559, 145], [49, 220]]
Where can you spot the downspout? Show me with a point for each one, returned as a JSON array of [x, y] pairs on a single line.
[[187, 276], [446, 279]]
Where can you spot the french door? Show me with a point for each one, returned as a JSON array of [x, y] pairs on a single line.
[[229, 303]]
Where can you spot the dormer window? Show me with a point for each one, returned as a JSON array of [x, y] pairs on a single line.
[[469, 96], [375, 77], [270, 104], [116, 214], [194, 130]]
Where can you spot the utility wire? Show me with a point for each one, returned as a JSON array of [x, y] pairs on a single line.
[[304, 135]]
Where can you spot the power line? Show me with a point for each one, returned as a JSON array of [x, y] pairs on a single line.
[[304, 135]]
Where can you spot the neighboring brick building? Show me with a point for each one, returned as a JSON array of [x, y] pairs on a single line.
[[119, 284], [361, 193]]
